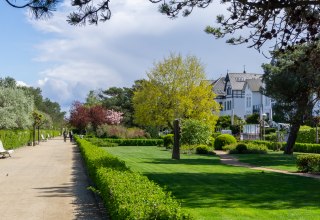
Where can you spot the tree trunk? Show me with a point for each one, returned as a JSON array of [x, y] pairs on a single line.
[[292, 138], [34, 135], [176, 142]]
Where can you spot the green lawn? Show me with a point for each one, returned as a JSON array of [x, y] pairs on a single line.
[[275, 160], [210, 190]]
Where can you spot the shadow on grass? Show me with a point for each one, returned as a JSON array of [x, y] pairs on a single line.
[[231, 187]]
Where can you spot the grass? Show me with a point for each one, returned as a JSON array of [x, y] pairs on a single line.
[[210, 190], [274, 160]]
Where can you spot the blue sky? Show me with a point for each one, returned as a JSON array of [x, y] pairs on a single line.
[[66, 61]]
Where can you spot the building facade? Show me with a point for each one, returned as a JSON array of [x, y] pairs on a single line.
[[239, 94]]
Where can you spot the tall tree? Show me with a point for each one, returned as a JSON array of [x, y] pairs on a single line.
[[294, 82], [79, 116], [15, 108], [119, 99], [176, 88]]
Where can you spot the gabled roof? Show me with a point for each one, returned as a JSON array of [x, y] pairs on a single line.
[[237, 80], [218, 86], [253, 84]]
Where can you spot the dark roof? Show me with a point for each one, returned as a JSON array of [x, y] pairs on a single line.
[[218, 86]]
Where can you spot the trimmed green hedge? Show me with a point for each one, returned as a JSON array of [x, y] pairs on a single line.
[[135, 142], [246, 148], [12, 139], [306, 136], [223, 140], [127, 195], [308, 163]]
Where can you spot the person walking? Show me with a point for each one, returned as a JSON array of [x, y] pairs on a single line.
[[65, 136], [71, 136]]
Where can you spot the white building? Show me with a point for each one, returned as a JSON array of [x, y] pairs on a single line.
[[239, 94]]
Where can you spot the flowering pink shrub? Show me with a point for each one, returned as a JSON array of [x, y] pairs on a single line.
[[113, 117]]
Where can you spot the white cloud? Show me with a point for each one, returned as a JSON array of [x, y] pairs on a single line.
[[119, 51]]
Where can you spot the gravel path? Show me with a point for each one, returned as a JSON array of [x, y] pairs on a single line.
[[47, 182], [228, 159]]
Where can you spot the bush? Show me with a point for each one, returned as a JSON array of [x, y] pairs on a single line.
[[101, 142], [118, 131], [210, 141], [246, 148], [202, 149], [168, 141], [194, 132], [306, 135], [241, 148], [223, 140], [126, 194], [308, 163]]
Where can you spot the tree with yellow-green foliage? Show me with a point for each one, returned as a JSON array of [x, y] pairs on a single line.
[[176, 88]]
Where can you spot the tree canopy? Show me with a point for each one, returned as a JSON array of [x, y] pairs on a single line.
[[289, 22], [176, 88], [293, 82]]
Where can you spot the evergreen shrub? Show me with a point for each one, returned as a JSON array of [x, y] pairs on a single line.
[[223, 140], [202, 149], [308, 163], [168, 141]]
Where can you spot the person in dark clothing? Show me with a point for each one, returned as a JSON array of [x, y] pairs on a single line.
[[71, 136]]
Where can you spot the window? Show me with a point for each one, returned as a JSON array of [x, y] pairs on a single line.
[[248, 102], [267, 101], [229, 91]]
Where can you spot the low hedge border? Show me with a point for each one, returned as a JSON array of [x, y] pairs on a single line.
[[298, 147], [127, 195], [308, 163], [135, 142]]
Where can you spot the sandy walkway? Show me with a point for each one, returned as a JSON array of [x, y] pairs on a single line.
[[230, 160], [46, 182]]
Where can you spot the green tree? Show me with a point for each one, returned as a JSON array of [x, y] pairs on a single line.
[[176, 88], [194, 132], [15, 108], [294, 83], [120, 99], [253, 119], [92, 99]]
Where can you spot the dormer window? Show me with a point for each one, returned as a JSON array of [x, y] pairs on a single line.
[[229, 91]]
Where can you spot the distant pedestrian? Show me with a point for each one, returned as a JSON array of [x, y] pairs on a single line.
[[71, 136], [65, 136]]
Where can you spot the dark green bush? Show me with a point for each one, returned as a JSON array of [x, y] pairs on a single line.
[[168, 141], [127, 195], [241, 147], [308, 163], [202, 149], [223, 140], [269, 130], [101, 142], [306, 135]]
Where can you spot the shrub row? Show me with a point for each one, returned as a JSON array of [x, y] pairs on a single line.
[[12, 139], [127, 195], [246, 148], [135, 142], [308, 163]]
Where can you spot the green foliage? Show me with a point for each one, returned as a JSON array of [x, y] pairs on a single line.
[[127, 195], [248, 148], [253, 119], [176, 88], [306, 135], [210, 141], [306, 148], [128, 142], [15, 108], [194, 132], [308, 163], [202, 149], [223, 140], [101, 142], [168, 141], [12, 139], [269, 130]]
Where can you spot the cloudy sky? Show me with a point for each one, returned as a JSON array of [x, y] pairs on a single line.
[[67, 61]]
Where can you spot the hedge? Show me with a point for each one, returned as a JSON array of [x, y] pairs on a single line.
[[223, 140], [136, 142], [308, 163], [126, 194], [12, 139], [298, 147]]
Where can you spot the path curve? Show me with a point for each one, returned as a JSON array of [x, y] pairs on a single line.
[[228, 159], [47, 182]]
